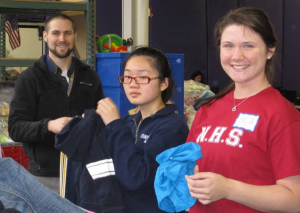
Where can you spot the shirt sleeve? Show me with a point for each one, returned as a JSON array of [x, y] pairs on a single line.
[[285, 151]]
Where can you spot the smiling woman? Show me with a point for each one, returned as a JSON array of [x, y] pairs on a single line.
[[248, 132], [243, 57]]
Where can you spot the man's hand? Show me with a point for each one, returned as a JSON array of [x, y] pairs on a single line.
[[58, 124]]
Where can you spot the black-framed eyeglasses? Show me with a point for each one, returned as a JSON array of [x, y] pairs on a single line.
[[139, 79]]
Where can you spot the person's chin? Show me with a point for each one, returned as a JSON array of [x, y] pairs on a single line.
[[134, 101], [63, 54]]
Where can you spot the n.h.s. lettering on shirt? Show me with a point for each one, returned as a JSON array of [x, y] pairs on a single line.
[[244, 122]]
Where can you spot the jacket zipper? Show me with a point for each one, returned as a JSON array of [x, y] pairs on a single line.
[[84, 83], [137, 129]]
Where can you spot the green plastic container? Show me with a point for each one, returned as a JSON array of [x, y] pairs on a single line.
[[106, 42]]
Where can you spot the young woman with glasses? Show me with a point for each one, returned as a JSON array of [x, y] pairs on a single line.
[[136, 140]]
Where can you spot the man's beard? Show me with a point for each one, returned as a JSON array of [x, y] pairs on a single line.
[[57, 54]]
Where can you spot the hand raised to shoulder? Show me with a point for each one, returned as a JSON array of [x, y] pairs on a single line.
[[108, 110]]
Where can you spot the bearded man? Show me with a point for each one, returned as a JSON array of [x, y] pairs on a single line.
[[47, 94]]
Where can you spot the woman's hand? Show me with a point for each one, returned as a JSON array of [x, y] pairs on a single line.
[[207, 187], [108, 110]]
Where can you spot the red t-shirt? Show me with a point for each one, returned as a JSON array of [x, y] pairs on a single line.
[[257, 144]]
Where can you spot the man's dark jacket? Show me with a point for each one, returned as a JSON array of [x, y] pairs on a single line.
[[39, 97]]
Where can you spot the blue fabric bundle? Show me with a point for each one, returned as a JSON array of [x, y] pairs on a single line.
[[171, 188]]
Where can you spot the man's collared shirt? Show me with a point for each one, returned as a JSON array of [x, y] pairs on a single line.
[[64, 78]]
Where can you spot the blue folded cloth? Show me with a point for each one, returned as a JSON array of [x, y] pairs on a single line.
[[170, 186]]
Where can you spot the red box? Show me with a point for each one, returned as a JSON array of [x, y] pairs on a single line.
[[16, 152]]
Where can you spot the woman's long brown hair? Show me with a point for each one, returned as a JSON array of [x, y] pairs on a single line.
[[256, 20]]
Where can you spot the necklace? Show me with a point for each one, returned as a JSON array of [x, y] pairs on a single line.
[[235, 106]]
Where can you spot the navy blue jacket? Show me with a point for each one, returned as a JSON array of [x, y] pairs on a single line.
[[134, 148], [84, 140]]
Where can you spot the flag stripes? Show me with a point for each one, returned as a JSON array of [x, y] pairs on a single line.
[[12, 30]]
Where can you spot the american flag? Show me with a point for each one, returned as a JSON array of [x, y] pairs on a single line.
[[12, 30]]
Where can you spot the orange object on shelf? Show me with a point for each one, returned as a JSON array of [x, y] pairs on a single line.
[[110, 43]]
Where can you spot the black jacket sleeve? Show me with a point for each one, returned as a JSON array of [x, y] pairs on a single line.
[[22, 123]]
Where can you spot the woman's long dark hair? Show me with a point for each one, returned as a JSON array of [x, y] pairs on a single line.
[[256, 20], [196, 73]]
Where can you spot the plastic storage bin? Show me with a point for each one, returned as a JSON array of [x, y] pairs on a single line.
[[111, 65], [14, 150]]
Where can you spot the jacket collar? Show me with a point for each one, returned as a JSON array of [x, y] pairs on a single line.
[[78, 65], [168, 109], [54, 68]]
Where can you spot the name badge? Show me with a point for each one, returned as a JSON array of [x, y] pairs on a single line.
[[246, 121]]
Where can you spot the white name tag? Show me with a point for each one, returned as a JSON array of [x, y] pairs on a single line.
[[246, 121]]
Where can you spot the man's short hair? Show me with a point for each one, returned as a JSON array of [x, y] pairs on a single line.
[[59, 16]]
